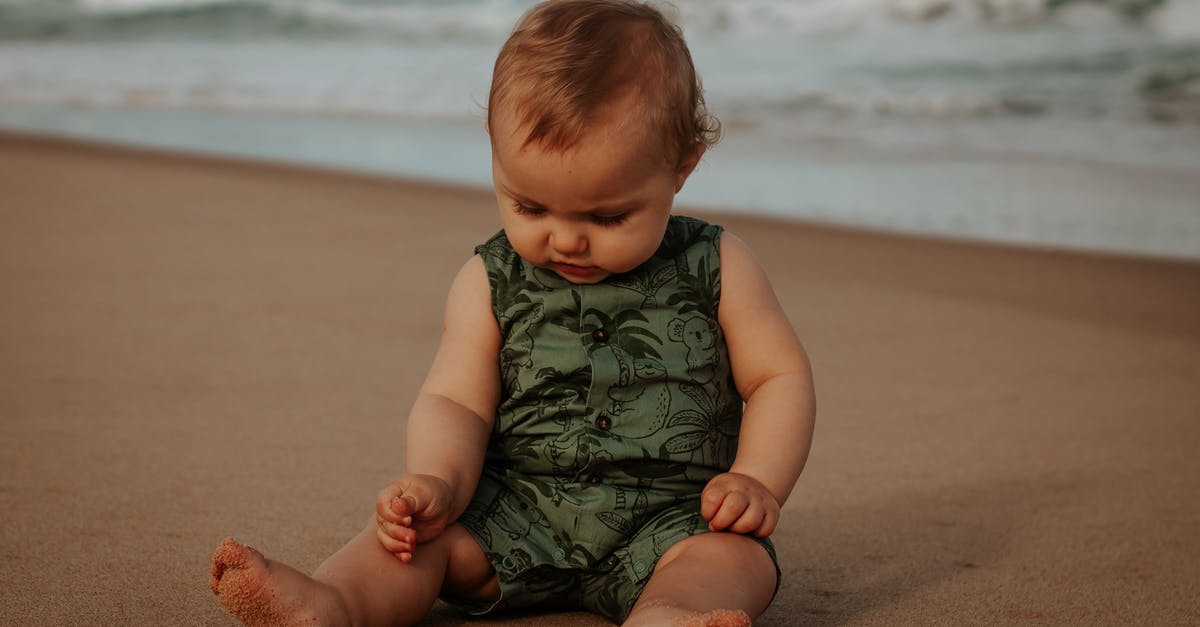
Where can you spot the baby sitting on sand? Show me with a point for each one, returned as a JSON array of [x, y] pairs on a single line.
[[618, 406]]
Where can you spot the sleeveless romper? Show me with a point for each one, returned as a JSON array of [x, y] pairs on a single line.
[[617, 407]]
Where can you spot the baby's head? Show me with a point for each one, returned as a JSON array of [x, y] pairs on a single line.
[[596, 118], [567, 59]]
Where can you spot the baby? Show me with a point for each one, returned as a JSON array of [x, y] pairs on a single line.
[[618, 406]]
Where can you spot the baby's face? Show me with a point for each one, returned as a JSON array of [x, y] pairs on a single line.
[[595, 210]]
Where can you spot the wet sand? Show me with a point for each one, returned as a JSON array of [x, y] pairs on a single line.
[[192, 348]]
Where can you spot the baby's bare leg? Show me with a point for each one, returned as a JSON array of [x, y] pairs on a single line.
[[709, 580], [361, 584]]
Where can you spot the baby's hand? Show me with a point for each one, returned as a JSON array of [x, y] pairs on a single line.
[[740, 504], [411, 510]]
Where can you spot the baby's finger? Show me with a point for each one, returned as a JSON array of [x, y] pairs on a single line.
[[402, 554], [392, 543], [403, 507], [383, 503], [402, 533], [731, 509], [750, 520], [711, 499], [770, 521], [389, 543]]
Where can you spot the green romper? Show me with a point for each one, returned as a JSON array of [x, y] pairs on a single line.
[[617, 407]]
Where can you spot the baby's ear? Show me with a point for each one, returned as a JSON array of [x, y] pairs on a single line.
[[687, 163]]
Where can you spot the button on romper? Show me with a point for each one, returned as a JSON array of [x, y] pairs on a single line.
[[617, 407]]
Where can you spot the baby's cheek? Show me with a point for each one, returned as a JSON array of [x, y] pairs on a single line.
[[625, 254]]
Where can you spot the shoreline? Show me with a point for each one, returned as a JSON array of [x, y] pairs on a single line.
[[983, 180], [196, 347], [67, 141]]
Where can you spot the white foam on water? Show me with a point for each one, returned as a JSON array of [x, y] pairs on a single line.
[[1001, 86]]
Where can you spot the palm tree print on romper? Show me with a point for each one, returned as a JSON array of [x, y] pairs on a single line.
[[620, 429], [638, 364]]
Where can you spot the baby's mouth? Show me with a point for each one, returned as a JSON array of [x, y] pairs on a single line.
[[573, 269]]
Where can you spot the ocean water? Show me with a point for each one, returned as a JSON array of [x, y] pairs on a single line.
[[1060, 123]]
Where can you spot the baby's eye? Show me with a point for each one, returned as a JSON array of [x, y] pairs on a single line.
[[609, 220], [527, 210]]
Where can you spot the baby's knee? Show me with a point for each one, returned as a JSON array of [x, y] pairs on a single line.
[[722, 547], [722, 552], [708, 572]]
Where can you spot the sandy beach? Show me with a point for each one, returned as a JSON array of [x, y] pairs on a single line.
[[194, 348]]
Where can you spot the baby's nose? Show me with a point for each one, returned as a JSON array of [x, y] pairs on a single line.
[[568, 241]]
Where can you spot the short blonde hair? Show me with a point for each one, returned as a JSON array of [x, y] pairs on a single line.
[[566, 58]]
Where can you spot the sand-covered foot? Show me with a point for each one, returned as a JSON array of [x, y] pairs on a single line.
[[716, 618], [262, 593]]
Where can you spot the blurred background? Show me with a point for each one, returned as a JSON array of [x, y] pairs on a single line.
[[1054, 123]]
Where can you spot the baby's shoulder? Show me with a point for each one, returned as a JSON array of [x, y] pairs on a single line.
[[497, 247]]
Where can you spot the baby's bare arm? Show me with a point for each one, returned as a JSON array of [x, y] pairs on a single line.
[[449, 425], [772, 374], [450, 421]]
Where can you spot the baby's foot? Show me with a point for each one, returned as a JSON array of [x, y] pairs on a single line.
[[716, 618], [261, 592]]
